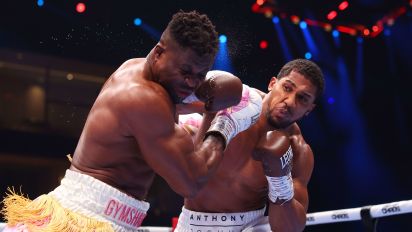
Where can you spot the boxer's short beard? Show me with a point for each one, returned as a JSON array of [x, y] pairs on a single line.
[[273, 123]]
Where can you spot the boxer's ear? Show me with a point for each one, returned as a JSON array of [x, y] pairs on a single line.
[[272, 83], [158, 50]]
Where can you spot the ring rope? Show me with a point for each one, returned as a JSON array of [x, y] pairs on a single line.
[[354, 214]]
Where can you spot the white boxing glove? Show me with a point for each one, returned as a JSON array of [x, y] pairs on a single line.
[[233, 120]]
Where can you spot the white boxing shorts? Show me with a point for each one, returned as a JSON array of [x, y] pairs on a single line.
[[191, 221], [80, 201]]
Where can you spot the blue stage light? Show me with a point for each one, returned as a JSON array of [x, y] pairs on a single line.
[[137, 21], [222, 38]]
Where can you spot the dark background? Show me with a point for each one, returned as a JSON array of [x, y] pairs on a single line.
[[360, 133]]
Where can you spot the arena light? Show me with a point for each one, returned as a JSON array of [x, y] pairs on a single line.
[[303, 25], [335, 33], [80, 7], [308, 55], [223, 61], [327, 27], [255, 8], [137, 21], [222, 39], [295, 19], [347, 30], [331, 15], [40, 3], [263, 44], [282, 39], [275, 19], [343, 5], [268, 14], [269, 8], [260, 2]]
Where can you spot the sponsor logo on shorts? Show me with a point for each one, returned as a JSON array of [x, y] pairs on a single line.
[[122, 213], [391, 209], [340, 216], [219, 223], [217, 218]]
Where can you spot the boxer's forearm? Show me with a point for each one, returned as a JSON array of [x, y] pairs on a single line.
[[208, 156], [204, 126], [291, 216]]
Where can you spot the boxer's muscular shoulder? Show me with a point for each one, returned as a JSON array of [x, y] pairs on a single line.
[[131, 62], [144, 98], [128, 70]]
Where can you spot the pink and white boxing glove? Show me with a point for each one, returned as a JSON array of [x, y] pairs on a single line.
[[233, 120], [218, 91]]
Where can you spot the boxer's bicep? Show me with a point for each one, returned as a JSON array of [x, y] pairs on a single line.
[[165, 146], [171, 155]]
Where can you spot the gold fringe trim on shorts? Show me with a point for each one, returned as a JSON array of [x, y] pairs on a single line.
[[45, 214]]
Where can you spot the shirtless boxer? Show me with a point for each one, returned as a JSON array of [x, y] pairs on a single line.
[[271, 151], [131, 134]]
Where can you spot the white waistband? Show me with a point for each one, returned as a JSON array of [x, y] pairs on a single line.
[[91, 197], [190, 221]]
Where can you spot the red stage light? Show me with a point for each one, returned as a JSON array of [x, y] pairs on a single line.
[[263, 44], [80, 7], [347, 30], [332, 15], [366, 32], [295, 19], [260, 2], [343, 5], [375, 28], [255, 8]]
